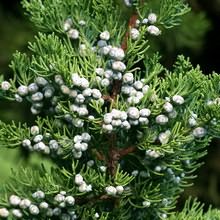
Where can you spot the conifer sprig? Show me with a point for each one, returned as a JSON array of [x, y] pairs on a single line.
[[124, 133]]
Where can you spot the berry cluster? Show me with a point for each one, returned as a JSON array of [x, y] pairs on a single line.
[[151, 28], [68, 27], [41, 143], [37, 93], [193, 120], [80, 96], [41, 93], [168, 107], [121, 119], [152, 154], [112, 191], [60, 205], [104, 77], [115, 65], [164, 137], [48, 145], [80, 144], [133, 90], [115, 119], [83, 187]]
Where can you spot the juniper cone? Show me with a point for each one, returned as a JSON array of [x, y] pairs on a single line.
[[124, 133]]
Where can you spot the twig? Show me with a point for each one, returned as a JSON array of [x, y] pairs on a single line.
[[126, 151], [131, 24], [114, 153], [82, 201], [108, 98]]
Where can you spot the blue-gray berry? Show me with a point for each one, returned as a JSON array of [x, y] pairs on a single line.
[[133, 113], [34, 210], [36, 97], [22, 90], [42, 82]]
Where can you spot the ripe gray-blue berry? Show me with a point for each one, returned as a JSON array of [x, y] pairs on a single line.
[[128, 78], [5, 85], [105, 35], [105, 82], [145, 21], [164, 137], [25, 203], [18, 98], [22, 90], [153, 30], [128, 3], [96, 94], [120, 189], [34, 210], [134, 33], [53, 145], [199, 132], [73, 33], [161, 119], [69, 200], [178, 99], [79, 179], [33, 88], [152, 18], [41, 81], [145, 112], [117, 53], [107, 127], [126, 125], [14, 200], [43, 205], [67, 24], [36, 97], [86, 137], [138, 85], [102, 43], [35, 130], [77, 122], [87, 92], [118, 66], [17, 213], [143, 120], [83, 187], [38, 194], [168, 107], [26, 143], [133, 113], [80, 99], [59, 198], [76, 79], [38, 138], [4, 213]]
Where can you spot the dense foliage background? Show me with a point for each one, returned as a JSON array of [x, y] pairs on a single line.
[[197, 38]]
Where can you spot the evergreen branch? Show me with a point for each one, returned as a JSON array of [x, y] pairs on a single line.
[[131, 24], [11, 136], [193, 210], [114, 154], [171, 12], [20, 66], [133, 140]]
